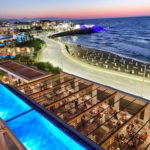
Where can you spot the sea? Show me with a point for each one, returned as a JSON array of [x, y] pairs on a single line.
[[129, 37]]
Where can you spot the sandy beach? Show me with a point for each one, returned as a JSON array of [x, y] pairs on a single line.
[[56, 53]]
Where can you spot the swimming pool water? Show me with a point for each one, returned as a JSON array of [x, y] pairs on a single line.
[[10, 104], [21, 37], [33, 129], [39, 132]]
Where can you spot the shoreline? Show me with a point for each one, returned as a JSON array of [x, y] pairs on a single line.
[[108, 60], [56, 54], [121, 55], [76, 60]]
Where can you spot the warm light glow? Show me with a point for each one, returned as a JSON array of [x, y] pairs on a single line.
[[74, 9]]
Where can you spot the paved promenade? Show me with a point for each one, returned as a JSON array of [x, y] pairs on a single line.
[[56, 54]]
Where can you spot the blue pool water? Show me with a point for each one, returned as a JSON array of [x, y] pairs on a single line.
[[1, 44], [10, 104], [33, 129], [21, 37]]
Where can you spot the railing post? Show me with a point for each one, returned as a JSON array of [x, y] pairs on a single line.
[[2, 141]]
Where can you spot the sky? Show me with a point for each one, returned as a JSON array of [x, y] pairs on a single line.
[[74, 8]]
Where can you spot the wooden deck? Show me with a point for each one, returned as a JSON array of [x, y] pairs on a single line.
[[22, 71]]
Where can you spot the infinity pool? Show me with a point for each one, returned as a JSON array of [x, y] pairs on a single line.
[[33, 129]]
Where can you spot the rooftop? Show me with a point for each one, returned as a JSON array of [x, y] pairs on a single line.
[[109, 117], [100, 113], [21, 71]]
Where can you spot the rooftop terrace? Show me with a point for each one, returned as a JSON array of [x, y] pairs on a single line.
[[22, 71], [111, 118]]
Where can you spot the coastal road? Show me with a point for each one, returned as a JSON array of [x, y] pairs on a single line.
[[57, 55]]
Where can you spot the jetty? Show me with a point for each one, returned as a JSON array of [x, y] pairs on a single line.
[[74, 32]]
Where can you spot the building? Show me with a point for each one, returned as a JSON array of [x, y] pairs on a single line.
[[109, 118], [7, 33], [7, 30], [23, 26], [47, 24], [23, 51], [17, 73], [98, 112]]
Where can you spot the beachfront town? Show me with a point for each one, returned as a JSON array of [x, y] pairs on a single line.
[[94, 116]]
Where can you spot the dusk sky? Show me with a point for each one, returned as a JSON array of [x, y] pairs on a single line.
[[73, 8]]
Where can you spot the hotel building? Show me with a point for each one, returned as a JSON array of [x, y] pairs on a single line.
[[23, 51]]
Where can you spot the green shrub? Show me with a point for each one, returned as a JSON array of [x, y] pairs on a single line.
[[48, 67], [35, 42], [2, 73]]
